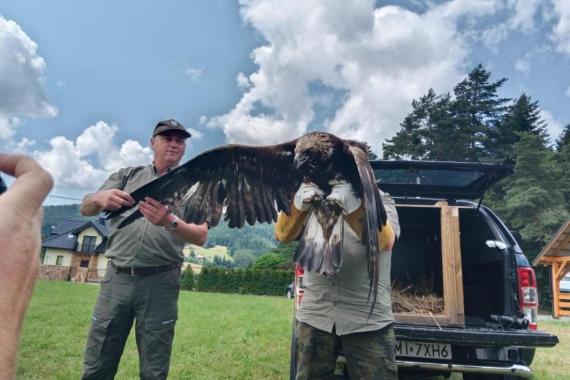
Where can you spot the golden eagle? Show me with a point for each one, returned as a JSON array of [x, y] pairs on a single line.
[[252, 183]]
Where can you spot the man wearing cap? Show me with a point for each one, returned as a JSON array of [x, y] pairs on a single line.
[[142, 281]]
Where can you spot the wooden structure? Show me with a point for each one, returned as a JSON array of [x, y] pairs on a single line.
[[556, 254], [453, 312]]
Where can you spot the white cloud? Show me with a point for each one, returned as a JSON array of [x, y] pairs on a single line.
[[194, 73], [196, 134], [522, 65], [379, 58], [22, 72], [86, 162], [554, 127], [242, 81], [524, 14], [561, 30]]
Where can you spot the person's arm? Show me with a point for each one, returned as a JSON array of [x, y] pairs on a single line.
[[289, 227], [20, 239], [160, 215]]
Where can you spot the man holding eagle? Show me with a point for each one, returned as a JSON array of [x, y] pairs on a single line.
[[326, 194]]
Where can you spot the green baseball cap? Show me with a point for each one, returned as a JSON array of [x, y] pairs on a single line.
[[170, 125]]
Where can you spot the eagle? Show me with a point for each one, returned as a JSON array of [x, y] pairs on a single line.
[[253, 183]]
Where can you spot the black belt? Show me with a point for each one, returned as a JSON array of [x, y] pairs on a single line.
[[146, 271]]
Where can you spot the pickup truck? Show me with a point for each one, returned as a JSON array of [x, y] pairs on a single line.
[[490, 330]]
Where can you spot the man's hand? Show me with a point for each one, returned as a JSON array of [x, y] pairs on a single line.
[[343, 194], [20, 228], [113, 199], [157, 213], [307, 194]]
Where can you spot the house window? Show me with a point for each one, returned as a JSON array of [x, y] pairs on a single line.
[[59, 260], [84, 264], [88, 244]]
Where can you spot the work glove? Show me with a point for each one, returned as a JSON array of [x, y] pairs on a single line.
[[306, 195], [343, 194]]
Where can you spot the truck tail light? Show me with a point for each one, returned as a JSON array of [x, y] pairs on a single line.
[[299, 272], [528, 295]]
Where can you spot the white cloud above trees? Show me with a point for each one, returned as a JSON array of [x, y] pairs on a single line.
[[22, 72]]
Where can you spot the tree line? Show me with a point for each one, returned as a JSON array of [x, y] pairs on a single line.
[[476, 124]]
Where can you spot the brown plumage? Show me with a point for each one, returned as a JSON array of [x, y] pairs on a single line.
[[251, 184]]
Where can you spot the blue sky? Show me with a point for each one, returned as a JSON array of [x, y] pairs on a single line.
[[83, 83]]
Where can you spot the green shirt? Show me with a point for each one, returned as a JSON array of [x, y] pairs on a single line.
[[341, 300], [141, 243]]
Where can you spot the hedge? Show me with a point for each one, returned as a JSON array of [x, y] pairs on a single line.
[[245, 281]]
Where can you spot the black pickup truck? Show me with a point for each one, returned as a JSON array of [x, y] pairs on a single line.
[[493, 332]]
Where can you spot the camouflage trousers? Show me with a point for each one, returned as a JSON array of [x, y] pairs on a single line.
[[369, 355], [151, 301]]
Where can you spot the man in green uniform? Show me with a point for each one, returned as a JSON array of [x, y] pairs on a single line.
[[335, 309], [143, 278]]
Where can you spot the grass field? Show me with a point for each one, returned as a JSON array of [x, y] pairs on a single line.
[[218, 336]]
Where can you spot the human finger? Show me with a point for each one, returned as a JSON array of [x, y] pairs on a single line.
[[32, 183], [153, 202], [126, 198]]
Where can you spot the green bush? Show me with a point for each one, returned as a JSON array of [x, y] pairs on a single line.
[[187, 281], [245, 281], [268, 261]]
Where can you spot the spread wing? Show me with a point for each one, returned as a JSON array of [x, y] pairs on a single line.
[[374, 215], [249, 183]]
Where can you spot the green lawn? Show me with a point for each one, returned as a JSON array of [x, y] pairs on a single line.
[[552, 363], [218, 336]]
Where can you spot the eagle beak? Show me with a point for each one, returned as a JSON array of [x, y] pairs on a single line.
[[300, 161]]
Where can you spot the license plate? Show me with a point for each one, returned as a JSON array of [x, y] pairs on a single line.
[[423, 350]]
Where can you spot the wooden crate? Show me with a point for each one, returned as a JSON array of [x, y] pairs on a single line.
[[453, 313]]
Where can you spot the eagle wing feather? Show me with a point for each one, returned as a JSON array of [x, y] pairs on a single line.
[[374, 217], [252, 183]]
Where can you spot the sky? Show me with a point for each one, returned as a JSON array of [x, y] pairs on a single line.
[[82, 84]]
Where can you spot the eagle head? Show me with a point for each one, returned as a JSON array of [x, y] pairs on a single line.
[[314, 152]]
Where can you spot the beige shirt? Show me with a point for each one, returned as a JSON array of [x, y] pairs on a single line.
[[141, 243], [341, 301]]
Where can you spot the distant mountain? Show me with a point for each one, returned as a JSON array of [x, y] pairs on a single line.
[[258, 239]]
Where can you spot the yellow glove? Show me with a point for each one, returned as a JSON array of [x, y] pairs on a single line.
[[387, 237], [289, 227]]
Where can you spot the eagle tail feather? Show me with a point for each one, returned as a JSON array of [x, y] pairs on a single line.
[[309, 253], [333, 250]]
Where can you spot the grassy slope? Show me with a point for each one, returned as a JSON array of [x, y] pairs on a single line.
[[210, 253], [218, 336]]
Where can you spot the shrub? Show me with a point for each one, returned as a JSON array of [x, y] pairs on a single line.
[[245, 281], [187, 281]]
